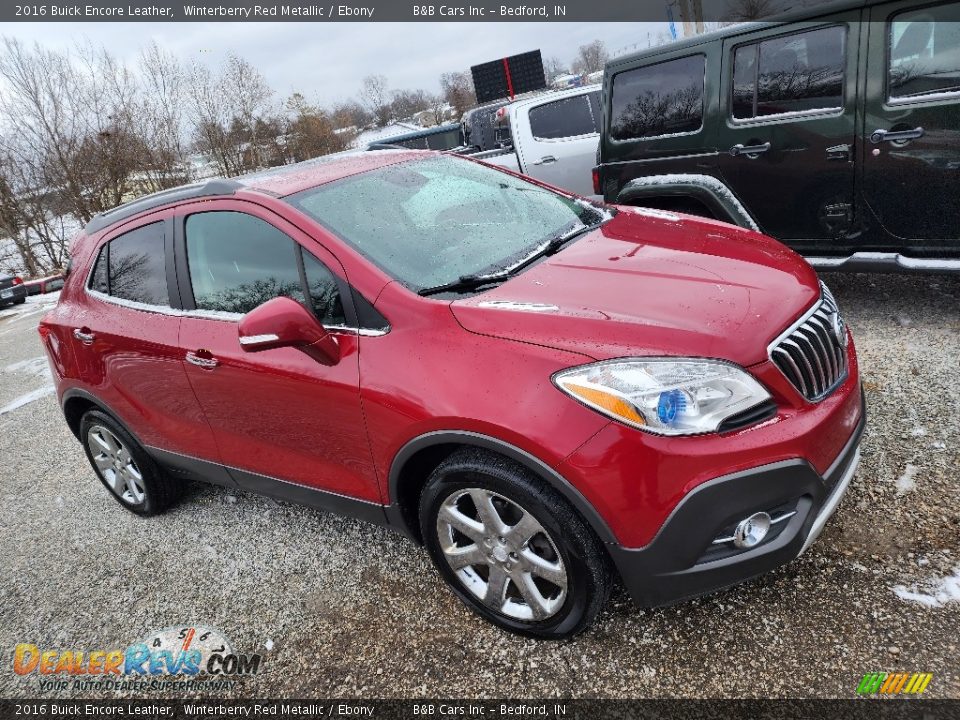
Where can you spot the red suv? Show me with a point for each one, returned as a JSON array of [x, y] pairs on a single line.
[[547, 393]]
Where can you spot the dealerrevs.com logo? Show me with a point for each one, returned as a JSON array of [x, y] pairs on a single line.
[[203, 656]]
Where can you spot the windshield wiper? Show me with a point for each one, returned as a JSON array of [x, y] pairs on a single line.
[[465, 282], [551, 246]]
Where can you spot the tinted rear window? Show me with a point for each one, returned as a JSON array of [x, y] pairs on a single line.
[[132, 266], [925, 52], [563, 118], [662, 99], [795, 73]]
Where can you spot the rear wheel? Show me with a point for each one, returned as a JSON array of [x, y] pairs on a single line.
[[125, 468], [511, 548]]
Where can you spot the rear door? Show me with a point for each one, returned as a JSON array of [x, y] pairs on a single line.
[[557, 140], [787, 130], [124, 339], [911, 159]]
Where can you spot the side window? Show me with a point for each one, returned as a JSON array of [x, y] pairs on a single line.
[[132, 266], [238, 262], [564, 118], [789, 74], [925, 52], [98, 280], [324, 291], [662, 99]]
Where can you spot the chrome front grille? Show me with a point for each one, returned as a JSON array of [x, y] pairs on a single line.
[[813, 352]]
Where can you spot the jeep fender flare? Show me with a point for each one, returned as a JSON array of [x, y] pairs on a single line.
[[713, 193]]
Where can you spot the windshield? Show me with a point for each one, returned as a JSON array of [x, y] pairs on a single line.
[[430, 222]]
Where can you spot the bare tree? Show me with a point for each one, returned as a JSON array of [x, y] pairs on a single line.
[[750, 10], [404, 103], [591, 57], [351, 114], [553, 68], [457, 88], [374, 94], [164, 83], [310, 131], [229, 110]]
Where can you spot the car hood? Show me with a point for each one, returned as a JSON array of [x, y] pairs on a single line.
[[652, 283]]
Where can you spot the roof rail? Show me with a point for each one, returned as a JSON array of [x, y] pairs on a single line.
[[217, 186]]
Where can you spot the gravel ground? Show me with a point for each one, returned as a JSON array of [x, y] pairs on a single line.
[[348, 609]]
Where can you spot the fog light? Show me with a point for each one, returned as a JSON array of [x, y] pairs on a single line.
[[751, 531]]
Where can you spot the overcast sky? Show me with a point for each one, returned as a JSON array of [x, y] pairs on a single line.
[[326, 62]]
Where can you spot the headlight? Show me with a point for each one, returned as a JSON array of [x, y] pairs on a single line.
[[666, 396]]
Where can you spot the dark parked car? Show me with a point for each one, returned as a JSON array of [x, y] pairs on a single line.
[[836, 131], [542, 391], [12, 291], [41, 286]]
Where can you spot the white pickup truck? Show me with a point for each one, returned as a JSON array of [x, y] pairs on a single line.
[[554, 138]]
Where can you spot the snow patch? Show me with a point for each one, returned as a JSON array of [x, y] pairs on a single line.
[[907, 481], [28, 398], [934, 593], [918, 431], [37, 367]]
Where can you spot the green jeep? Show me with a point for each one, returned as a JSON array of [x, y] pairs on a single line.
[[836, 131]]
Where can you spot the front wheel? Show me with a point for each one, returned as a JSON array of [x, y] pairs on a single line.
[[511, 548]]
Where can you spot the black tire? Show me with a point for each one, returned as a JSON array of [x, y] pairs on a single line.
[[566, 536], [159, 490], [20, 301]]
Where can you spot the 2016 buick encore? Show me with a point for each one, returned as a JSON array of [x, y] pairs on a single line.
[[548, 394]]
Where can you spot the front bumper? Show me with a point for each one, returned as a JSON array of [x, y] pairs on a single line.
[[681, 561]]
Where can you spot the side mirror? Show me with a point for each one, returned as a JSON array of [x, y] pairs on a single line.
[[283, 322]]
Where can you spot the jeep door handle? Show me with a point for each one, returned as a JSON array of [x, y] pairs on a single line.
[[741, 149], [879, 136], [203, 362], [84, 335], [546, 160]]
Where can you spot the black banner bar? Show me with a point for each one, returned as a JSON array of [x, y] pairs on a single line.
[[689, 11], [213, 709]]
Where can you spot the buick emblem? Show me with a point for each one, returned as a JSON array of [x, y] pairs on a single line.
[[839, 329]]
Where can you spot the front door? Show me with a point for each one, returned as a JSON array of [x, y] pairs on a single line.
[[787, 134], [911, 158], [283, 421]]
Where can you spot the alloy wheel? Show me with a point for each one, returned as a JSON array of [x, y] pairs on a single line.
[[501, 554], [115, 465]]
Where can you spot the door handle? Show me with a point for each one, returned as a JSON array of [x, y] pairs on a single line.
[[879, 136], [203, 362], [546, 160], [84, 335], [749, 150]]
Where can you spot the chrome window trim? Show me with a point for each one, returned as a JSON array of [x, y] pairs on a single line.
[[791, 115], [220, 315]]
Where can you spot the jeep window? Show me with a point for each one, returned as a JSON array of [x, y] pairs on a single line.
[[795, 73], [564, 118], [132, 266], [238, 262], [429, 222], [925, 52], [662, 99]]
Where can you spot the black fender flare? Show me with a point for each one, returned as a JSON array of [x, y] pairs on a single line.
[[713, 193], [539, 468]]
